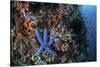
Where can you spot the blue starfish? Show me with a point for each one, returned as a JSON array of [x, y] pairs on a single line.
[[44, 43]]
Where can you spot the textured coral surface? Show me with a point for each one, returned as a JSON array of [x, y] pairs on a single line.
[[46, 33]]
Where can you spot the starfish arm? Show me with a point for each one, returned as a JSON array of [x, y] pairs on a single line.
[[51, 51], [38, 36], [45, 36], [39, 51], [51, 40]]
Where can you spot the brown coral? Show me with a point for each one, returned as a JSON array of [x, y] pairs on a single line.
[[61, 45]]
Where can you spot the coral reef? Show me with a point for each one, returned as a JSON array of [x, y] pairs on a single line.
[[46, 33]]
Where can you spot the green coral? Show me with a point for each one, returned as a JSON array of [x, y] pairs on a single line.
[[44, 58]]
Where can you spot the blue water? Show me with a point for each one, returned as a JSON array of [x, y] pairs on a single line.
[[89, 12]]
